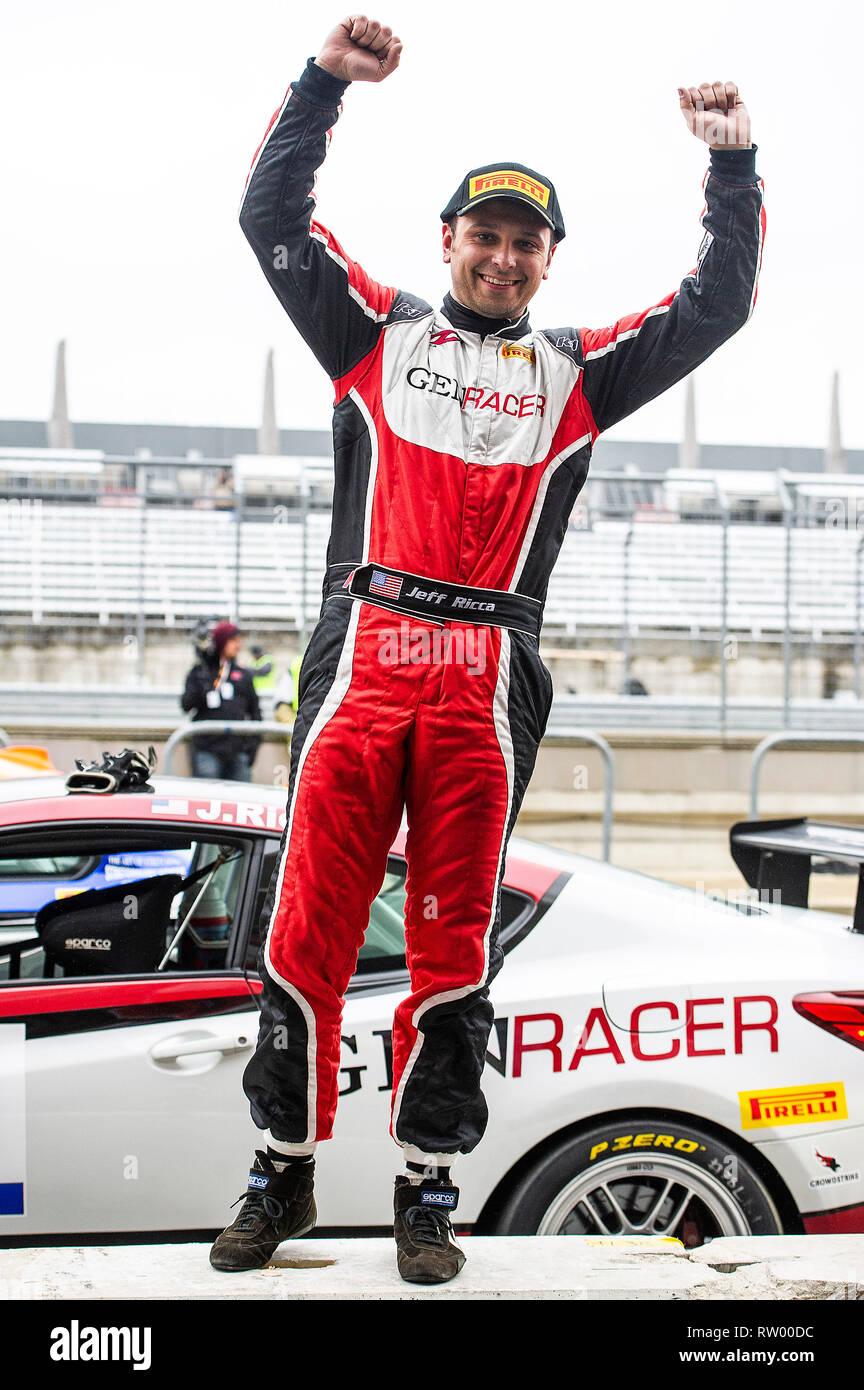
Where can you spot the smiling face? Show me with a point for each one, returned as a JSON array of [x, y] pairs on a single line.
[[499, 254]]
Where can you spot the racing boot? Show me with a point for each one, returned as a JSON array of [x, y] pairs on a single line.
[[426, 1251], [276, 1206]]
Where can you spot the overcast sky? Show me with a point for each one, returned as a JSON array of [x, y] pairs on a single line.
[[129, 129]]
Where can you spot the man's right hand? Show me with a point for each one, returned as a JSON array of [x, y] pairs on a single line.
[[360, 50]]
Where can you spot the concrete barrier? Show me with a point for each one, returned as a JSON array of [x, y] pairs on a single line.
[[505, 1267]]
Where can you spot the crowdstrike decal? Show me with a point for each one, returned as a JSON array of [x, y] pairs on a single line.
[[76, 1343], [834, 1178]]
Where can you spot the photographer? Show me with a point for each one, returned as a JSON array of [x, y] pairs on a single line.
[[219, 688]]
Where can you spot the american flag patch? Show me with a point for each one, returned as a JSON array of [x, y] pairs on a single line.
[[169, 806], [386, 584]]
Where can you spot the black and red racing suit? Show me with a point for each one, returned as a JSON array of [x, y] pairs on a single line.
[[460, 447]]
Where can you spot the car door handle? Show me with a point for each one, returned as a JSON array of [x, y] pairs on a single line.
[[170, 1048]]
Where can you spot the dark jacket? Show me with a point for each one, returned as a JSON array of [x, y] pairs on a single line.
[[242, 704]]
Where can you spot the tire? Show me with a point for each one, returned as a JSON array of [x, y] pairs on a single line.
[[689, 1185]]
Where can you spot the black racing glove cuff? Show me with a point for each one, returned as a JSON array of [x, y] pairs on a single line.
[[735, 166], [319, 88]]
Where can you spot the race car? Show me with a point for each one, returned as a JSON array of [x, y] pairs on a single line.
[[660, 1062]]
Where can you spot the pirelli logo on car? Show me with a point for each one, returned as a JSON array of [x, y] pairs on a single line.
[[509, 178], [793, 1105]]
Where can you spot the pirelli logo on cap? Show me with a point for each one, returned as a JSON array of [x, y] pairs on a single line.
[[514, 350], [793, 1105], [508, 178]]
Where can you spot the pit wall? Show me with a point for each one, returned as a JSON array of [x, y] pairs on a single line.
[[100, 656]]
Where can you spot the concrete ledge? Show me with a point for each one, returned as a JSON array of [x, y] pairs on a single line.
[[789, 1267], [504, 1267]]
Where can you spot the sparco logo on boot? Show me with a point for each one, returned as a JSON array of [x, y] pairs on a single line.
[[258, 1180], [476, 397], [86, 943], [438, 1199]]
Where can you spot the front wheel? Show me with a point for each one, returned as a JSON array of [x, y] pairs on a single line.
[[639, 1176]]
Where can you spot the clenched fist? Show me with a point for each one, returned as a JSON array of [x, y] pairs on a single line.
[[360, 50], [716, 114]]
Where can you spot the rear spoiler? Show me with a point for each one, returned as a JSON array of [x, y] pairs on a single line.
[[780, 854]]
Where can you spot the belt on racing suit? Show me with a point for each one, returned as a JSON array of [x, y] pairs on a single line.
[[435, 600]]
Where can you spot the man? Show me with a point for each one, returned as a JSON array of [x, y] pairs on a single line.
[[286, 696], [461, 441], [218, 688], [262, 670]]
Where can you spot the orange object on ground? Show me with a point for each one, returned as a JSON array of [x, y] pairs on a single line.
[[24, 760]]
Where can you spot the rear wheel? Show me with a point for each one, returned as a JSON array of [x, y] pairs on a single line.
[[639, 1176]]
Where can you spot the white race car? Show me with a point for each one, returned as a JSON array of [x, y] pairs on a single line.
[[660, 1063]]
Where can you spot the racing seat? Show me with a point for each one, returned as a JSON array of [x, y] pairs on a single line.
[[121, 930]]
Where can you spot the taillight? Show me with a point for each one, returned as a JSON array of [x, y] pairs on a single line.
[[839, 1011]]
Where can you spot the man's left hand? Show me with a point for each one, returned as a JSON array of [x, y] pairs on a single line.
[[716, 114]]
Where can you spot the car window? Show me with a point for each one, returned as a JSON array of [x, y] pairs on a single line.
[[383, 946], [28, 882], [58, 866], [164, 903]]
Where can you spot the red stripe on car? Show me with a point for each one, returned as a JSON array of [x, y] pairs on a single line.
[[63, 997], [844, 1221]]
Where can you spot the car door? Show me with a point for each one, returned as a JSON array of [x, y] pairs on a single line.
[[132, 1081]]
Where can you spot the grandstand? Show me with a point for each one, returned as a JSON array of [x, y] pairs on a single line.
[[73, 563], [142, 531]]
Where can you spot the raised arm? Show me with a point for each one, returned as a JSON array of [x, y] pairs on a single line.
[[633, 360], [336, 307]]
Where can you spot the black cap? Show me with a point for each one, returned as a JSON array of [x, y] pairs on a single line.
[[508, 180]]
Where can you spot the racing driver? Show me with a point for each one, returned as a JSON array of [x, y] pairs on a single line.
[[461, 440]]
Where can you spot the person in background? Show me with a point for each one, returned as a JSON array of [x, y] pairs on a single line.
[[217, 687], [263, 670], [286, 696]]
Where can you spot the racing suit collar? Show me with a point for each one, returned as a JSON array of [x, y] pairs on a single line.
[[469, 322]]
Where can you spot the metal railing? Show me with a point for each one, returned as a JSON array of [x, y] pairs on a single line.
[[791, 739], [154, 710], [247, 728], [569, 734]]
